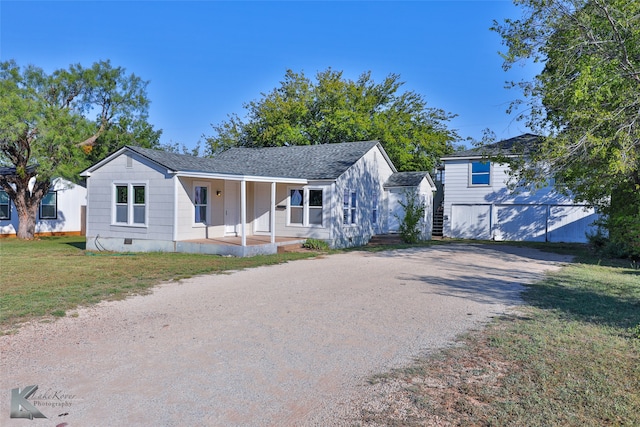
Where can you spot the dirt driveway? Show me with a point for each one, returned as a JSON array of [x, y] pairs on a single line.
[[282, 345]]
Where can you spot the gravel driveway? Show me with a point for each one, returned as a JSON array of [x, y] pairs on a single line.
[[290, 344]]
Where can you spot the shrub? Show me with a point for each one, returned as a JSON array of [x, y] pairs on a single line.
[[622, 240], [410, 225], [316, 245]]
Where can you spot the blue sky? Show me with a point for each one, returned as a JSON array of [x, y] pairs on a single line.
[[205, 59]]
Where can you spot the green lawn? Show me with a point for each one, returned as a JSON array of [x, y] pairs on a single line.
[[51, 276]]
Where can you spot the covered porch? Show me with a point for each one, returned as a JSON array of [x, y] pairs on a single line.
[[240, 220]]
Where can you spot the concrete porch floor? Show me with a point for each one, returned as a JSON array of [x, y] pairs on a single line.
[[251, 240]]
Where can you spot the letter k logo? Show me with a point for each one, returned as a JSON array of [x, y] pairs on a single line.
[[21, 407]]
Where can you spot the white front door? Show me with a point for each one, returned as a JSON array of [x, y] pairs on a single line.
[[396, 211], [262, 202], [231, 208]]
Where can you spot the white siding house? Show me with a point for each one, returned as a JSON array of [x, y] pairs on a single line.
[[61, 211], [149, 200], [478, 204]]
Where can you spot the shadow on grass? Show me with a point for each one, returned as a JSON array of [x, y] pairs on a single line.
[[78, 245], [589, 299]]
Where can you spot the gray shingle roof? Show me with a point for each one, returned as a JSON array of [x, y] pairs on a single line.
[[175, 161], [512, 146], [326, 161], [405, 179]]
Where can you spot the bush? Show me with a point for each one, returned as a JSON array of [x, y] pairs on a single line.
[[410, 225], [622, 240], [316, 245]]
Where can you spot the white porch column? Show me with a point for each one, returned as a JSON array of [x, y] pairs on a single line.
[[243, 211], [272, 216]]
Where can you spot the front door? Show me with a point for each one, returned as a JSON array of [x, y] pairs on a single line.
[[231, 208], [262, 200], [396, 211]]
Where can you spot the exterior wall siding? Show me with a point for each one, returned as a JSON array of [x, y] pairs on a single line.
[[283, 226], [187, 228], [366, 178], [159, 201], [494, 212]]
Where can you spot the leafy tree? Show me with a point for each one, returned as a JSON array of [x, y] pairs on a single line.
[[58, 124], [334, 109], [586, 100]]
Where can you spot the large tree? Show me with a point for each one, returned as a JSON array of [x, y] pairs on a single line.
[[57, 124], [334, 109], [586, 100]]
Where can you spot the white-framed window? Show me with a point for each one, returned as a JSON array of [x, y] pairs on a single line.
[[296, 206], [306, 207], [480, 173], [349, 207], [201, 199], [49, 206], [5, 206], [130, 204], [315, 207]]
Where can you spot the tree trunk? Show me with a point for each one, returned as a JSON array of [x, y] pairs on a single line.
[[26, 203], [27, 207]]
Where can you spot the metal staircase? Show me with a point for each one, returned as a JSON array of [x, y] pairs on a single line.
[[438, 221]]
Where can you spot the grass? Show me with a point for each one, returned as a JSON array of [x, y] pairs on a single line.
[[570, 357], [52, 276]]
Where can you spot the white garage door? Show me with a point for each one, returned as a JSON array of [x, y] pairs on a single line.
[[521, 222], [471, 221], [570, 223]]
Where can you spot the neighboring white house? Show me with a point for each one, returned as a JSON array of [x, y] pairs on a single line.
[[149, 200], [478, 204], [61, 211]]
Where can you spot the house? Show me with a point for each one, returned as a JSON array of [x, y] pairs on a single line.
[[61, 211], [149, 200], [478, 205]]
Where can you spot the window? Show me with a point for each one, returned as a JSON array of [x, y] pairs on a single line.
[[349, 207], [480, 173], [296, 206], [374, 209], [122, 204], [139, 206], [5, 206], [201, 201], [49, 206], [315, 207], [130, 204], [306, 207]]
